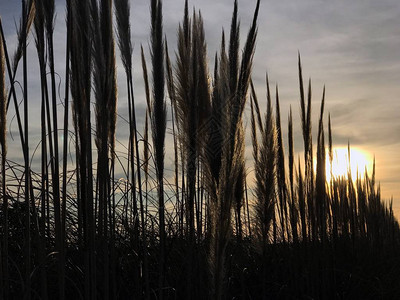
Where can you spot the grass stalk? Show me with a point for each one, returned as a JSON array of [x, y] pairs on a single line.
[[321, 176], [3, 146], [158, 119], [12, 93], [49, 16], [293, 206], [27, 291], [282, 191], [40, 46], [122, 13], [265, 173], [81, 65]]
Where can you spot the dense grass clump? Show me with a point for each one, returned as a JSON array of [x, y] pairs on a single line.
[[84, 231]]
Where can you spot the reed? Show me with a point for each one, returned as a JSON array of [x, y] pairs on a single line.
[[293, 199], [146, 146], [3, 146], [26, 21], [192, 104], [158, 123], [232, 149], [40, 46], [28, 253], [172, 96], [105, 92], [233, 57], [282, 191], [49, 17], [65, 134], [81, 66], [122, 10], [265, 162], [192, 101], [320, 180], [308, 152]]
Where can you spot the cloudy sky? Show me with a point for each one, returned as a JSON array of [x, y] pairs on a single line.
[[351, 47]]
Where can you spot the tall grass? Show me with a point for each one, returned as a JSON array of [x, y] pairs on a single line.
[[122, 11], [3, 146], [28, 253], [308, 152], [158, 124], [200, 229], [233, 82], [81, 66], [105, 90], [265, 159], [40, 46], [191, 100]]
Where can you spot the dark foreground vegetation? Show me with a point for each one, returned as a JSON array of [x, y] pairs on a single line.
[[72, 229]]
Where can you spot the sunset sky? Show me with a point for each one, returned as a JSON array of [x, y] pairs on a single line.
[[351, 47]]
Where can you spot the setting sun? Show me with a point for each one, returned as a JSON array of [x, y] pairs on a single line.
[[359, 162]]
